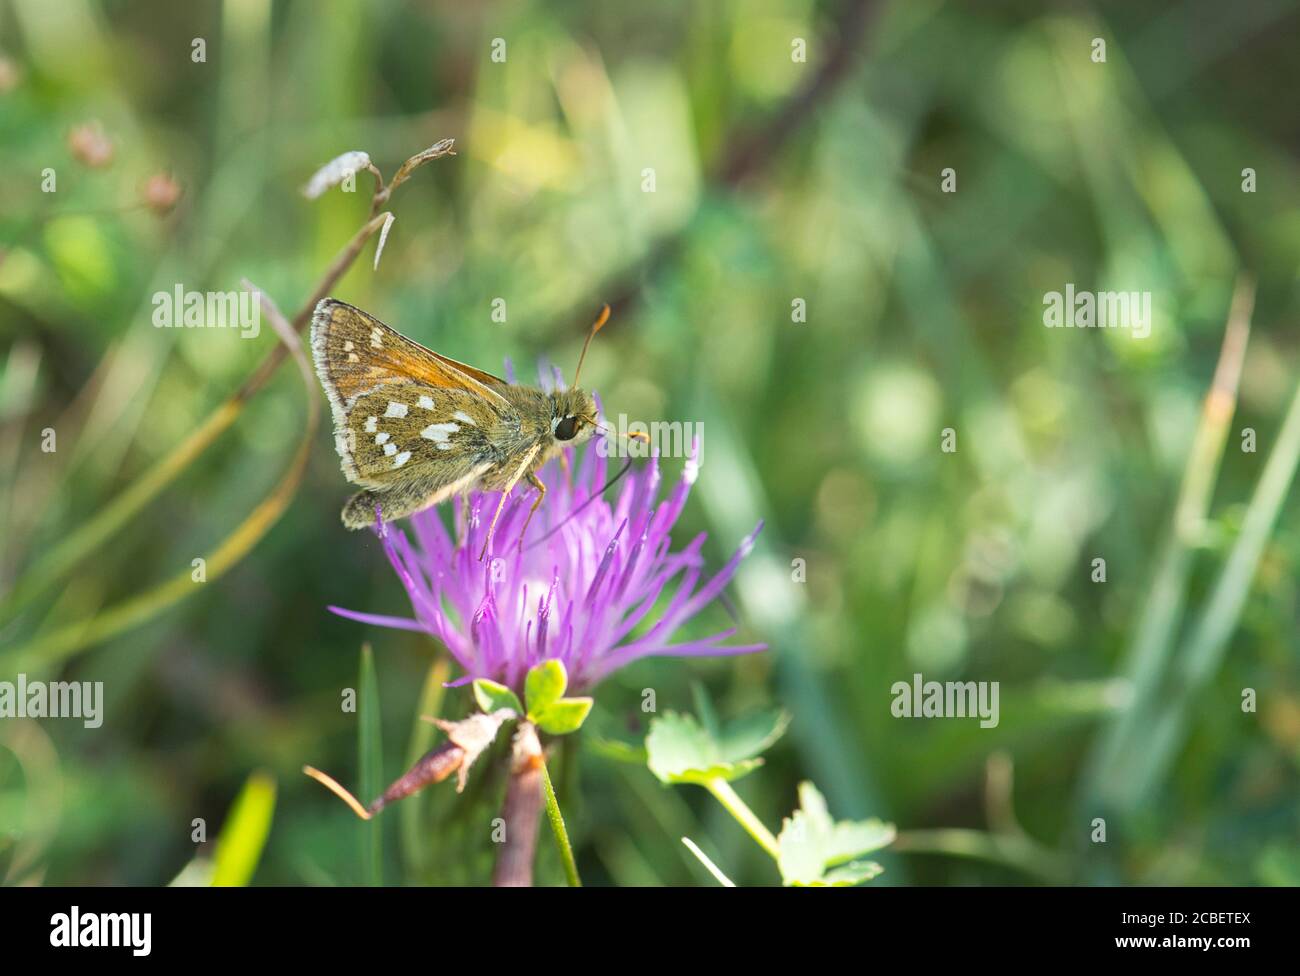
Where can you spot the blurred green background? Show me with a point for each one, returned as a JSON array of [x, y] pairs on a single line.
[[775, 180]]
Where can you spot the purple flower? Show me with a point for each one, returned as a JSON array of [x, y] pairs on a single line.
[[576, 593]]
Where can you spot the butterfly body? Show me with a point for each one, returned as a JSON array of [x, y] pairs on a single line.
[[413, 428]]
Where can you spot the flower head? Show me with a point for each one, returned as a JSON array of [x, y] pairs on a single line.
[[161, 193], [90, 145], [581, 587]]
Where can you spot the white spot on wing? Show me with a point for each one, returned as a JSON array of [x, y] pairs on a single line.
[[381, 438], [438, 433], [426, 403], [390, 449], [396, 409], [401, 459], [462, 415], [372, 424]]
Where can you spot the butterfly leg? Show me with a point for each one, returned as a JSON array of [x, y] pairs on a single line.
[[536, 482], [505, 493]]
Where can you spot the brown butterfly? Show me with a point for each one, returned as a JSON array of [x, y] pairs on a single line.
[[414, 428]]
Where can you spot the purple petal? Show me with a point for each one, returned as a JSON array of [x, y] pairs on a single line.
[[397, 623]]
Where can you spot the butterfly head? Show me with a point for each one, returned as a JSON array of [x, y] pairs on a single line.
[[573, 415], [573, 411]]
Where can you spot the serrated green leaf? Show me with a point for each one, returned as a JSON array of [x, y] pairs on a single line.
[[676, 743], [752, 734], [493, 696], [564, 716], [852, 839], [814, 848], [543, 686], [680, 750], [813, 805]]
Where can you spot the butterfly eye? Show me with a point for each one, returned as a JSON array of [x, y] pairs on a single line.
[[566, 429]]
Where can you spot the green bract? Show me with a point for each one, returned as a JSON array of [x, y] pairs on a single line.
[[492, 697], [543, 686], [543, 690]]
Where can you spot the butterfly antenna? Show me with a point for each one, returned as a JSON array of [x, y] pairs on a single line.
[[601, 319], [635, 435], [586, 501]]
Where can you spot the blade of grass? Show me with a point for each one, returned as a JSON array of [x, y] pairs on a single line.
[[1148, 655], [1010, 850], [416, 853], [243, 836], [18, 378], [709, 866], [370, 753], [1146, 768]]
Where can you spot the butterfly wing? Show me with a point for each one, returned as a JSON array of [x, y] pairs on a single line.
[[402, 413], [412, 446], [412, 431], [355, 353]]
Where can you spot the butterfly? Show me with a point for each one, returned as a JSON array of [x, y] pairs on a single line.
[[413, 428]]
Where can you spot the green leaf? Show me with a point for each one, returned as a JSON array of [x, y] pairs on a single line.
[[680, 750], [243, 835], [564, 716], [817, 851], [752, 734], [492, 697], [543, 686]]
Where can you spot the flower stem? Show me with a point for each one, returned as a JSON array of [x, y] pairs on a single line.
[[520, 811], [556, 818], [737, 807]]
